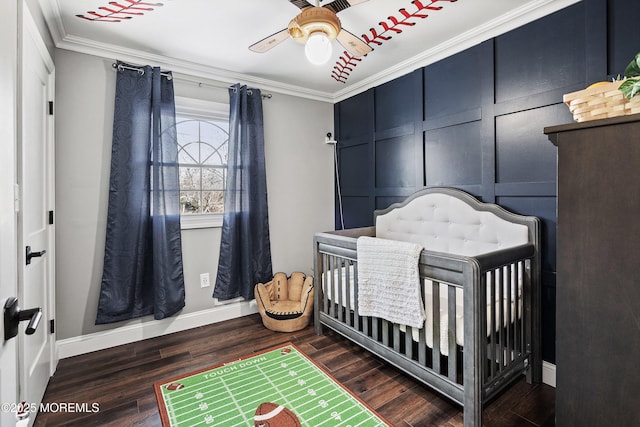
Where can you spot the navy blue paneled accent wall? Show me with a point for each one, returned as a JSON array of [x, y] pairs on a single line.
[[475, 119]]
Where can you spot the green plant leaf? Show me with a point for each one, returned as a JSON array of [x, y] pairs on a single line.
[[633, 69], [630, 88]]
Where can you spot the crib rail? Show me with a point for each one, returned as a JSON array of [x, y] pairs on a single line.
[[483, 304]]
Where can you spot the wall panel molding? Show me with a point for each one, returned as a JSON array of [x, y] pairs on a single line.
[[480, 117]]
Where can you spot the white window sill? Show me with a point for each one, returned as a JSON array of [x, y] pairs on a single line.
[[217, 302], [190, 222]]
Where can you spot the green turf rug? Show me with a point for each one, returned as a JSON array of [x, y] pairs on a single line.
[[278, 387]]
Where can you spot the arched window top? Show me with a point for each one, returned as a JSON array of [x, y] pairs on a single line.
[[202, 142]]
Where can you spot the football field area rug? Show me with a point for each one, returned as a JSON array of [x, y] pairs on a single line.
[[277, 387]]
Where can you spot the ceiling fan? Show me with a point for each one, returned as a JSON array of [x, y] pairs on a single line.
[[316, 27]]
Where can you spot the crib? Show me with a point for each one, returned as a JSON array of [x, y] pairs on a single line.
[[479, 270]]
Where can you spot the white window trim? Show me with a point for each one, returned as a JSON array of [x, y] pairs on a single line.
[[201, 109]]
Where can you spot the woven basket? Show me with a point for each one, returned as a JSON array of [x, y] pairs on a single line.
[[601, 102]]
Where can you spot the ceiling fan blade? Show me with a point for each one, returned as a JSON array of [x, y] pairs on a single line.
[[340, 5], [302, 4], [354, 44], [269, 42]]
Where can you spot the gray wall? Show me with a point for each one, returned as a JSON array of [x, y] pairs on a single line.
[[299, 180]]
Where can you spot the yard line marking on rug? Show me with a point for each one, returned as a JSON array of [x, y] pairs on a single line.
[[286, 400], [233, 398]]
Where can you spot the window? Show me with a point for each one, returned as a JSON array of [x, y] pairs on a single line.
[[202, 129], [202, 154]]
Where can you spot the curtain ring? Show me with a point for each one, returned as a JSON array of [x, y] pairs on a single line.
[[122, 67]]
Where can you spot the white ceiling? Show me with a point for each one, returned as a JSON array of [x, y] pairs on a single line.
[[210, 38]]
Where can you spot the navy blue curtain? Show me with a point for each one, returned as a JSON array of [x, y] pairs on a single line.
[[143, 250], [245, 250]]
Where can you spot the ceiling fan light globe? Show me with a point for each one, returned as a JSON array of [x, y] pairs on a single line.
[[318, 48]]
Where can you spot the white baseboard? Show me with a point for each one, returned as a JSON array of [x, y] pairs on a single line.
[[131, 333], [549, 373], [127, 334]]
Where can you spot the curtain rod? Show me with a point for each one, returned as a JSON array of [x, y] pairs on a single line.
[[140, 70], [218, 85]]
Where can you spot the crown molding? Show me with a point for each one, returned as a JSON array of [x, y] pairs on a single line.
[[187, 68], [500, 25], [51, 12]]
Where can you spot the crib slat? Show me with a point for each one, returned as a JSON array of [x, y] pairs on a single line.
[[526, 285], [375, 332], [509, 317], [422, 342], [492, 325], [340, 306], [332, 268], [347, 286], [327, 280], [483, 318], [452, 333], [501, 337], [396, 337], [408, 342], [435, 303], [385, 332], [422, 348], [518, 299], [365, 325], [356, 316]]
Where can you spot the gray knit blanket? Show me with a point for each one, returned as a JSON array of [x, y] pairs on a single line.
[[389, 281]]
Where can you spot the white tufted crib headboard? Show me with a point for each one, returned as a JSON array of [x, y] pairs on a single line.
[[452, 221]]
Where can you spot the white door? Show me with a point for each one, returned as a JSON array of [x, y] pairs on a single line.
[[35, 236], [8, 244]]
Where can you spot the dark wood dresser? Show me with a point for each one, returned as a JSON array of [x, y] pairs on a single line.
[[598, 272]]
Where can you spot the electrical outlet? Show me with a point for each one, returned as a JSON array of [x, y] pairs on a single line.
[[204, 280]]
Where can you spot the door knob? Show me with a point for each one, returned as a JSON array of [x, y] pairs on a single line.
[[30, 254], [13, 315]]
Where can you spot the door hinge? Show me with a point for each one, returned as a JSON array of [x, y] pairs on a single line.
[[52, 326], [50, 217], [51, 108]]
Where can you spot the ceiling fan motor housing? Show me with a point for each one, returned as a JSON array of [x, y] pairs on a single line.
[[314, 19]]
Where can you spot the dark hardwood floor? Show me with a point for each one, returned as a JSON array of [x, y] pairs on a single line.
[[120, 379]]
